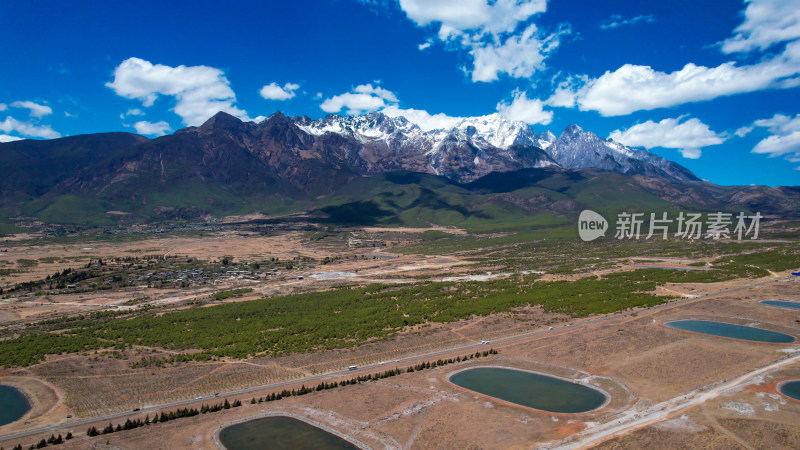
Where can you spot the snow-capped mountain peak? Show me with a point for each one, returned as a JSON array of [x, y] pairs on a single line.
[[467, 149], [577, 149], [494, 129], [544, 140], [363, 128], [474, 146], [491, 130], [573, 130]]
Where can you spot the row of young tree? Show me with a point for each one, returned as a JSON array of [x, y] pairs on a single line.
[[205, 409], [369, 377], [163, 417], [52, 440]]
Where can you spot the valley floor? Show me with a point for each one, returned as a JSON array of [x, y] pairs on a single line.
[[668, 388]]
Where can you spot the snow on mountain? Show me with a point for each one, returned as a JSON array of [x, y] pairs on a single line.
[[491, 130], [491, 142], [544, 140], [494, 130], [363, 128], [471, 148], [577, 149]]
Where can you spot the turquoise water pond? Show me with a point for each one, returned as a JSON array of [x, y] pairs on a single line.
[[278, 433], [730, 330], [530, 389], [13, 404], [790, 389], [782, 304]]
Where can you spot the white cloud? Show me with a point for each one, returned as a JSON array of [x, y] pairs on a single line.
[[366, 97], [565, 94], [526, 110], [28, 129], [632, 87], [501, 16], [455, 15], [689, 137], [743, 131], [691, 153], [424, 45], [362, 99], [766, 22], [616, 21], [521, 108], [274, 92], [152, 129], [640, 87], [777, 145], [779, 123], [425, 120], [519, 56], [199, 91], [3, 107], [354, 103], [377, 91], [784, 139], [131, 112], [491, 33], [6, 138], [34, 109]]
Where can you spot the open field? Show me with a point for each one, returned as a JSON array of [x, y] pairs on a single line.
[[144, 347]]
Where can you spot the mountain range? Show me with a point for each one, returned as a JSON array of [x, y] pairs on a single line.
[[477, 146], [481, 169]]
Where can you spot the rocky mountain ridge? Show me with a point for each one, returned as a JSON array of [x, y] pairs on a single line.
[[286, 165]]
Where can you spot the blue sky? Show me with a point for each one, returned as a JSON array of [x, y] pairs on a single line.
[[713, 85]]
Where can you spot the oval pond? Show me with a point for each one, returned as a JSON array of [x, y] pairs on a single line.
[[14, 404], [730, 330], [279, 432], [782, 304], [790, 388], [530, 389]]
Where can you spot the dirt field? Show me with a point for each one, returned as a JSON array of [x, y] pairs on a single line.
[[668, 387], [241, 245], [34, 261]]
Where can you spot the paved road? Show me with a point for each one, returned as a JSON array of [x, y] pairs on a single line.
[[361, 369]]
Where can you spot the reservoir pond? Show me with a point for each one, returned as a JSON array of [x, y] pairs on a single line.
[[790, 388], [278, 433], [13, 404], [782, 304], [730, 330], [530, 389]]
